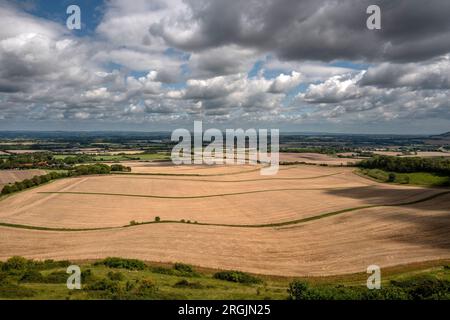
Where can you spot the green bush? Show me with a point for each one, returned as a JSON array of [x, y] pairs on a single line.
[[115, 276], [32, 276], [87, 276], [183, 267], [157, 219], [121, 263], [16, 264], [237, 276], [57, 277], [111, 287], [391, 177], [186, 284], [120, 168]]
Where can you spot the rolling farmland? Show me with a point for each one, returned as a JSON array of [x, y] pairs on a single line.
[[306, 220]]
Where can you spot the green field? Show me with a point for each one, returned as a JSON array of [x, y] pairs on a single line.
[[415, 178], [116, 278]]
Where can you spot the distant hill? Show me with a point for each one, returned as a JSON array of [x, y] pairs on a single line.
[[440, 139]]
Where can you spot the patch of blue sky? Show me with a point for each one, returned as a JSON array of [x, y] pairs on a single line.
[[91, 12], [350, 65]]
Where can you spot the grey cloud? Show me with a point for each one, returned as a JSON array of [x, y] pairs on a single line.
[[434, 74], [314, 29]]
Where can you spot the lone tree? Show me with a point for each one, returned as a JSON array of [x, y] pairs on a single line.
[[157, 219]]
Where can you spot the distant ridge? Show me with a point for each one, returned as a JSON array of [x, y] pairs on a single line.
[[441, 136]]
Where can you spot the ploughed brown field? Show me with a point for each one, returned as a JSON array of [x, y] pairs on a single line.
[[262, 224]]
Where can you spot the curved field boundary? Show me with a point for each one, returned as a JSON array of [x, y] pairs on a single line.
[[186, 197], [269, 225], [247, 180], [203, 175]]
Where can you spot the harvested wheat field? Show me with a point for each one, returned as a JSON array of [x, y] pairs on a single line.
[[11, 176], [306, 220], [316, 158]]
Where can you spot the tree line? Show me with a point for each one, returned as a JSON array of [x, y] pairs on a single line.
[[408, 164], [75, 171]]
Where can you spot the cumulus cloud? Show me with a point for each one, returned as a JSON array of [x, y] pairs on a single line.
[[311, 29], [281, 61]]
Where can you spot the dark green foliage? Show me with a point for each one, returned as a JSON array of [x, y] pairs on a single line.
[[421, 288], [87, 276], [408, 164], [115, 276], [32, 276], [107, 285], [183, 267], [57, 277], [120, 168], [20, 264], [17, 265], [424, 287], [391, 177], [133, 290], [121, 263], [178, 269], [157, 219], [50, 264], [99, 168], [188, 285], [237, 276]]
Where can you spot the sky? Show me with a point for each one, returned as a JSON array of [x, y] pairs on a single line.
[[295, 65]]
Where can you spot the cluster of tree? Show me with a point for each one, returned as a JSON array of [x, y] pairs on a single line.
[[32, 160], [408, 164], [43, 160], [82, 170]]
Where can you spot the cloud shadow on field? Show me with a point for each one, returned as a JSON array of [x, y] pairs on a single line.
[[427, 227]]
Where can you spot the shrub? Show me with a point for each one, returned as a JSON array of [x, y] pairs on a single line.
[[87, 276], [32, 276], [157, 219], [111, 287], [391, 177], [298, 290], [130, 264], [49, 264], [141, 289], [237, 276], [16, 264], [186, 284], [57, 277], [120, 168], [115, 276], [183, 267]]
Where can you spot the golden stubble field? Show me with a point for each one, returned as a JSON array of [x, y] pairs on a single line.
[[237, 206]]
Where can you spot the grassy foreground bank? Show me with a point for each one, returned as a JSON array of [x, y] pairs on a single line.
[[116, 278]]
